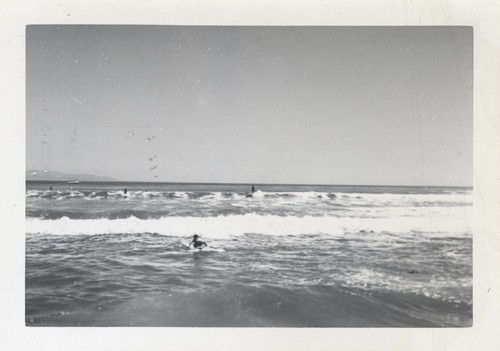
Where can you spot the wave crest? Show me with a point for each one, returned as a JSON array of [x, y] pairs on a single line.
[[227, 226]]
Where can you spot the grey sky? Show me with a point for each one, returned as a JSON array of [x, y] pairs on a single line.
[[329, 105]]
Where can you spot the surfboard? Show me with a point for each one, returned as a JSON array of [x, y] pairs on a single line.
[[185, 245]]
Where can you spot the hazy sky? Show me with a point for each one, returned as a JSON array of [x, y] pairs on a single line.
[[328, 105]]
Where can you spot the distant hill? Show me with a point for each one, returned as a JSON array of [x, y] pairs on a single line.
[[35, 174]]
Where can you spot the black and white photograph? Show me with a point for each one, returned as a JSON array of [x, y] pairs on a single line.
[[248, 176]]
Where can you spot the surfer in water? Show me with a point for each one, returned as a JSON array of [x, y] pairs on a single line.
[[253, 191], [197, 244]]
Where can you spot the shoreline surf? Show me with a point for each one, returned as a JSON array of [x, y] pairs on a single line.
[[308, 257]]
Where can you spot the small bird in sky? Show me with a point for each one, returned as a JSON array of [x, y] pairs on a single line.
[[152, 158], [153, 168], [130, 133], [151, 137]]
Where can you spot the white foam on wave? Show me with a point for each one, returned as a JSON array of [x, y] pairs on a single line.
[[359, 199], [404, 199], [226, 226], [259, 193]]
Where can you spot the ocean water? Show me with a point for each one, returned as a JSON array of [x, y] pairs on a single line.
[[289, 256]]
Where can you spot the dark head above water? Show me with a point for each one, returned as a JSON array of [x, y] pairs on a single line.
[[195, 237]]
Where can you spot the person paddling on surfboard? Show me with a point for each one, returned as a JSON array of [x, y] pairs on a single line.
[[197, 244]]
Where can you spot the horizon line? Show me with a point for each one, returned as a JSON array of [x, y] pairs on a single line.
[[246, 183]]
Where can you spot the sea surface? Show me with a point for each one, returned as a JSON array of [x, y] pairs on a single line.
[[288, 256]]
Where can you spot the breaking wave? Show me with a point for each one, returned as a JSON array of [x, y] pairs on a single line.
[[227, 226]]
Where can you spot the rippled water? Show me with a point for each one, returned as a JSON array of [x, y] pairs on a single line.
[[324, 257]]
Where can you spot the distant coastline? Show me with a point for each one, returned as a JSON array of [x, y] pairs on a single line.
[[52, 176]]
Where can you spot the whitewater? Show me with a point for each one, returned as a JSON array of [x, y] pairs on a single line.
[[110, 254]]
